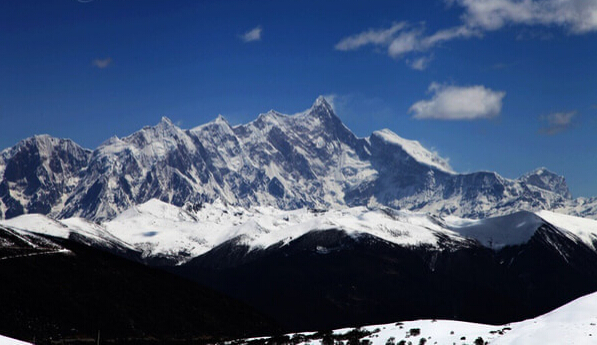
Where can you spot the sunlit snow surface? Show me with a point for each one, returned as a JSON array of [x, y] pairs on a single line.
[[574, 323], [415, 150], [10, 341], [160, 229]]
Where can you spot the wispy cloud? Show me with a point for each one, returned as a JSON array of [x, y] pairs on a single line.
[[102, 63], [371, 36], [420, 63], [577, 16], [451, 102], [534, 34], [331, 98], [479, 16], [557, 122], [252, 35], [403, 38]]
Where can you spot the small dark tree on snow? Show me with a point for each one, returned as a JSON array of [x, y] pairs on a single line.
[[479, 341], [414, 331], [327, 338], [391, 341]]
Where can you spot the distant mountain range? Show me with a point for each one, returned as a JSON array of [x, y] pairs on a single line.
[[309, 159]]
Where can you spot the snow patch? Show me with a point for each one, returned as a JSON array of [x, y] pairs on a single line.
[[9, 341]]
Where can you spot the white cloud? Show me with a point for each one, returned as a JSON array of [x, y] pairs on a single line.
[[371, 36], [402, 39], [577, 16], [557, 122], [252, 35], [450, 34], [102, 63], [406, 42], [420, 63], [331, 98], [459, 103]]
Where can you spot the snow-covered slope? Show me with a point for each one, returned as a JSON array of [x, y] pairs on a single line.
[[80, 229], [498, 232], [415, 150], [573, 323], [9, 341], [159, 229], [162, 229], [309, 159]]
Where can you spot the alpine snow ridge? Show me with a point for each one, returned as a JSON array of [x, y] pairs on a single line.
[[310, 159]]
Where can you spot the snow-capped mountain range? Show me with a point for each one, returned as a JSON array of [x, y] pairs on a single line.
[[309, 159], [158, 229]]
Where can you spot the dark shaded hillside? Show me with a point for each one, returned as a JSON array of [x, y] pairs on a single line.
[[56, 295], [327, 279]]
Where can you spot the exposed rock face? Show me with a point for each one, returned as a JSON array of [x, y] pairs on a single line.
[[38, 174], [305, 160]]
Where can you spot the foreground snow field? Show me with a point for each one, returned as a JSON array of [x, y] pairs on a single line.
[[9, 341], [573, 323]]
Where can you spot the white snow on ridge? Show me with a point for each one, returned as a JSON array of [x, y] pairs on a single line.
[[583, 228], [416, 150], [498, 232], [40, 224], [161, 229], [573, 323]]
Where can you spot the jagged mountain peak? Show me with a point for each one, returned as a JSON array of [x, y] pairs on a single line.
[[166, 126], [219, 122], [322, 103], [548, 180], [270, 115], [323, 110], [37, 173], [221, 119], [166, 121], [151, 140], [45, 143], [44, 147]]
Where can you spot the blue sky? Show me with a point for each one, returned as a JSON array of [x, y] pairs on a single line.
[[502, 85]]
